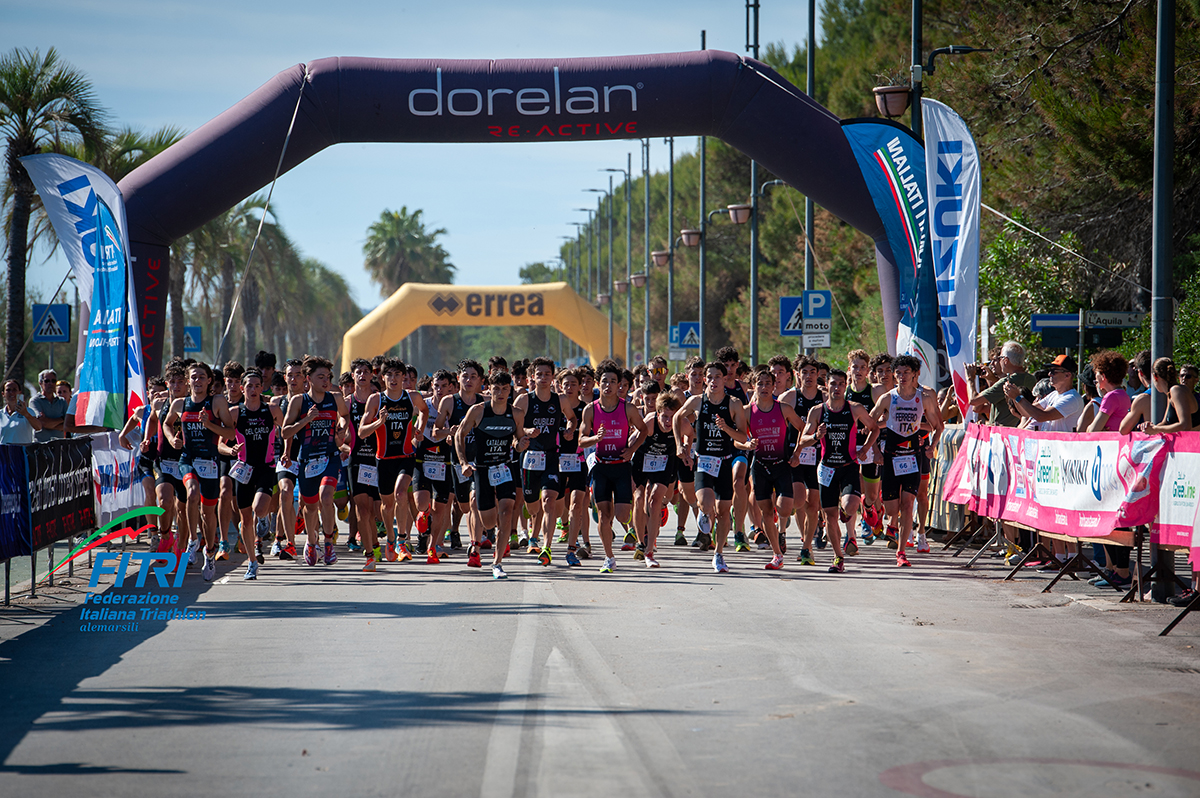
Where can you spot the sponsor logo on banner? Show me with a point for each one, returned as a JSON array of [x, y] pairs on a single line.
[[1048, 475]]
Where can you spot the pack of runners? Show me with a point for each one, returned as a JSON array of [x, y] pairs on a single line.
[[248, 459]]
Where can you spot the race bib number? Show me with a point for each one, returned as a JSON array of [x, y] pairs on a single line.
[[867, 458], [904, 465], [434, 471], [368, 475], [808, 455], [591, 461], [460, 474], [205, 469], [291, 468], [315, 468], [534, 461], [345, 460], [241, 471], [708, 464], [824, 475], [655, 463], [568, 463], [170, 468], [498, 475]]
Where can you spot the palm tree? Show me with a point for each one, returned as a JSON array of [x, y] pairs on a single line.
[[399, 249], [43, 101]]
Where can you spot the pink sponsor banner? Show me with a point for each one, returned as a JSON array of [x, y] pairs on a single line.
[[1178, 522], [1085, 485]]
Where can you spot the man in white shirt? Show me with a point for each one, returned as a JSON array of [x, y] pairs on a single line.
[[1058, 411]]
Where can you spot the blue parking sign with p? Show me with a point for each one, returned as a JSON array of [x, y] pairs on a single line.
[[818, 304]]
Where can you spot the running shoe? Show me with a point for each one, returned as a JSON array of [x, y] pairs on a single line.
[[354, 546], [680, 538], [423, 523], [739, 542], [473, 557], [839, 566], [369, 565], [544, 556], [806, 557], [487, 540], [782, 543], [310, 554], [422, 544], [518, 542], [902, 560], [391, 554], [630, 542], [402, 551], [610, 564], [719, 564], [776, 563], [222, 551], [1012, 555], [535, 546], [289, 552], [433, 558], [258, 552], [251, 571], [498, 572], [152, 543], [210, 567], [851, 546], [871, 516], [922, 544], [573, 559], [651, 562], [192, 548], [820, 541], [166, 544], [663, 516], [561, 528], [276, 548], [891, 538], [639, 553], [1183, 599], [330, 556], [455, 540], [584, 551], [343, 512], [704, 524]]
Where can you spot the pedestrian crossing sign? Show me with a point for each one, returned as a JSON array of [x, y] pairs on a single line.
[[192, 339], [689, 335], [791, 316], [52, 324]]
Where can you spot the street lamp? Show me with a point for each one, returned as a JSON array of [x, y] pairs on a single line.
[[607, 299], [622, 286], [918, 71], [588, 228]]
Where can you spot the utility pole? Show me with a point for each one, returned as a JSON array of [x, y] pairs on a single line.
[[752, 46], [703, 229]]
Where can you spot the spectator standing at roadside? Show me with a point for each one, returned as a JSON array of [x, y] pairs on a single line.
[[1110, 368], [17, 424], [1012, 364], [49, 408], [1059, 410], [1183, 411]]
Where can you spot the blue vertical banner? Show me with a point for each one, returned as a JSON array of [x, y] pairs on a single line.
[[88, 214], [892, 161], [14, 503]]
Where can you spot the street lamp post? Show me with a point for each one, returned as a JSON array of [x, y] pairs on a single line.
[[627, 172], [646, 247], [671, 234], [588, 228], [609, 289]]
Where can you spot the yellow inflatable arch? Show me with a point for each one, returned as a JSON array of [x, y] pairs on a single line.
[[418, 304]]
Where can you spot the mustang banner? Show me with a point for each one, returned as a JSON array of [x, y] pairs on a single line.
[[893, 164], [952, 165], [88, 215], [1085, 485]]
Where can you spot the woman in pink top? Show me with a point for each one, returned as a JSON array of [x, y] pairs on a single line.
[[1110, 368]]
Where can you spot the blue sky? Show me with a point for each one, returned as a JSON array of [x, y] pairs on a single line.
[[181, 63]]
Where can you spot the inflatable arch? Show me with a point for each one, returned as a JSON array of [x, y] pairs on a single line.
[[706, 93], [417, 304]]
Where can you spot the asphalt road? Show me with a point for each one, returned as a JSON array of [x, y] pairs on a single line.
[[437, 680]]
